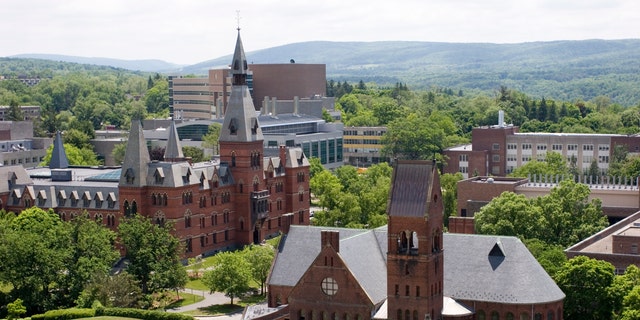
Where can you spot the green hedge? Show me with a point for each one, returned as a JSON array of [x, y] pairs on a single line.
[[141, 314], [65, 314], [75, 313]]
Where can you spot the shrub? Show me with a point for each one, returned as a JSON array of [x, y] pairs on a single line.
[[66, 314], [141, 314]]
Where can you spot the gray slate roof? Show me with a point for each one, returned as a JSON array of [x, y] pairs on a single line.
[[470, 273], [411, 189], [360, 249]]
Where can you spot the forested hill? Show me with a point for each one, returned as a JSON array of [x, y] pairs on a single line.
[[562, 70]]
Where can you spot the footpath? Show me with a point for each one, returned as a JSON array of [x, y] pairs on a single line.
[[209, 299]]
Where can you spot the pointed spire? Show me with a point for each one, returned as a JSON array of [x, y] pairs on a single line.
[[239, 66], [173, 151], [240, 119], [136, 158], [59, 158]]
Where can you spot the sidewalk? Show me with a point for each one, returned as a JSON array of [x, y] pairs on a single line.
[[209, 299]]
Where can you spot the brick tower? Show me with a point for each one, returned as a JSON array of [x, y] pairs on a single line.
[[415, 259], [241, 147]]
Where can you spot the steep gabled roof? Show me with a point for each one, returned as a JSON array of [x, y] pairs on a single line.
[[173, 151], [495, 269], [59, 158], [411, 189], [470, 268], [136, 158], [240, 119]]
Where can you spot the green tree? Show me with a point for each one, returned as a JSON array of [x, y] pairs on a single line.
[[157, 98], [554, 165], [77, 138], [315, 166], [92, 252], [34, 250], [16, 309], [153, 254], [211, 139], [569, 215], [413, 137], [79, 157], [325, 187], [120, 291], [622, 286], [118, 153], [259, 258], [15, 112], [230, 274], [550, 257], [196, 154], [449, 186], [585, 282], [510, 214]]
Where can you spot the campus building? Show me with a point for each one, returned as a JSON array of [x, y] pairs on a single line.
[[363, 146], [497, 150], [30, 113], [242, 197], [269, 84], [18, 146], [408, 269]]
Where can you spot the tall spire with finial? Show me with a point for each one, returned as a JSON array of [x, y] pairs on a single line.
[[240, 119], [239, 64], [173, 151], [136, 158]]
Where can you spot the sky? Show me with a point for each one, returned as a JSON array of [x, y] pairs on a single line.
[[192, 31]]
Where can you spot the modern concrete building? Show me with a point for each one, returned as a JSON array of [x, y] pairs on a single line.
[[30, 113], [18, 146], [363, 146], [497, 150], [208, 98]]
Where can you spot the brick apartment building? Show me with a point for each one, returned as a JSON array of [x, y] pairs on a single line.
[[242, 198], [497, 150]]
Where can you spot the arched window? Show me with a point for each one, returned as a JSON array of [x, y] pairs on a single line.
[[415, 314], [233, 159], [524, 316], [399, 314], [509, 316], [127, 209], [481, 315], [407, 315], [550, 315], [495, 315], [134, 207]]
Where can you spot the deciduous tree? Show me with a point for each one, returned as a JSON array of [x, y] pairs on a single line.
[[585, 283], [230, 275], [259, 258]]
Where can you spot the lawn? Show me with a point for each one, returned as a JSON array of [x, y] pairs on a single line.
[[221, 309]]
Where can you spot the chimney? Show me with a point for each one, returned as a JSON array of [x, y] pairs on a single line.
[[331, 238], [296, 105], [283, 155], [274, 101]]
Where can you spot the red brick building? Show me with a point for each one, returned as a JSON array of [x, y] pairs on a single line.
[[242, 198], [408, 269]]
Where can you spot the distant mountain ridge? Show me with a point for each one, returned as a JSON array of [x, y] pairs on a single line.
[[565, 70], [146, 65]]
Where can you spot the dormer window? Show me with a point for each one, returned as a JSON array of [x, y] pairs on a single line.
[[129, 176], [159, 176], [254, 126], [233, 127], [42, 198]]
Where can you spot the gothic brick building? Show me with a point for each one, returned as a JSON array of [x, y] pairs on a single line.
[[409, 269], [244, 197]]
